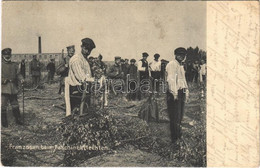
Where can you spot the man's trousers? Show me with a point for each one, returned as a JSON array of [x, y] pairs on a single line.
[[156, 75], [176, 110], [35, 80], [12, 98]]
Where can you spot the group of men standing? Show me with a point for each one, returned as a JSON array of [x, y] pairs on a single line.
[[150, 74], [79, 71], [12, 74], [136, 79], [195, 72], [35, 70]]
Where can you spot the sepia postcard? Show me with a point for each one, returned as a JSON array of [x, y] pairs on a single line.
[[130, 83]]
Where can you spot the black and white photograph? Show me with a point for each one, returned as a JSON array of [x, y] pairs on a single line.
[[104, 84]]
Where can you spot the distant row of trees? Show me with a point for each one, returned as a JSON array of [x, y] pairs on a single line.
[[196, 54]]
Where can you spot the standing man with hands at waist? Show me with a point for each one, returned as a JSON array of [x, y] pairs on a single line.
[[177, 92]]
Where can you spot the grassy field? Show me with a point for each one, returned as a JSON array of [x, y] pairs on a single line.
[[154, 148]]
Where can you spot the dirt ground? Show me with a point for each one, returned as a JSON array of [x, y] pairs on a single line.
[[32, 145]]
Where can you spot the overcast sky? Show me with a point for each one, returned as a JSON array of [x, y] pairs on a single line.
[[118, 28]]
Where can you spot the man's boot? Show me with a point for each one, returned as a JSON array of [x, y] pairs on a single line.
[[4, 119], [17, 115]]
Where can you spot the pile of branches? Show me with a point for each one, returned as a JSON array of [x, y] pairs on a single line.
[[131, 129], [100, 131], [87, 136]]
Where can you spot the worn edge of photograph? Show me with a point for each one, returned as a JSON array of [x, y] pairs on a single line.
[[30, 155]]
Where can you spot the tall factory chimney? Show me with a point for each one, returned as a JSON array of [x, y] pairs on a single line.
[[39, 45]]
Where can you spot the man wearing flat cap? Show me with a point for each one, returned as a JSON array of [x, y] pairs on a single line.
[[155, 68], [10, 77], [79, 77], [127, 63], [126, 66], [22, 67], [35, 71], [177, 92], [115, 71], [64, 67], [116, 74], [98, 67], [51, 70], [101, 64], [143, 72], [163, 68], [132, 80]]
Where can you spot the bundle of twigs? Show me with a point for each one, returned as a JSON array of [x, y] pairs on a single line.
[[149, 110], [88, 135]]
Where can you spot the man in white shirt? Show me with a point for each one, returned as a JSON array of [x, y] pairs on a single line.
[[143, 69], [155, 68], [79, 79], [177, 92]]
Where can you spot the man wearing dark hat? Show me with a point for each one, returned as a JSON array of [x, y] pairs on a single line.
[[132, 80], [101, 63], [155, 68], [98, 67], [51, 70], [123, 67], [163, 68], [127, 62], [79, 76], [115, 71], [143, 74], [188, 71], [116, 74], [195, 71], [22, 68], [65, 67], [10, 77], [177, 92], [35, 71]]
